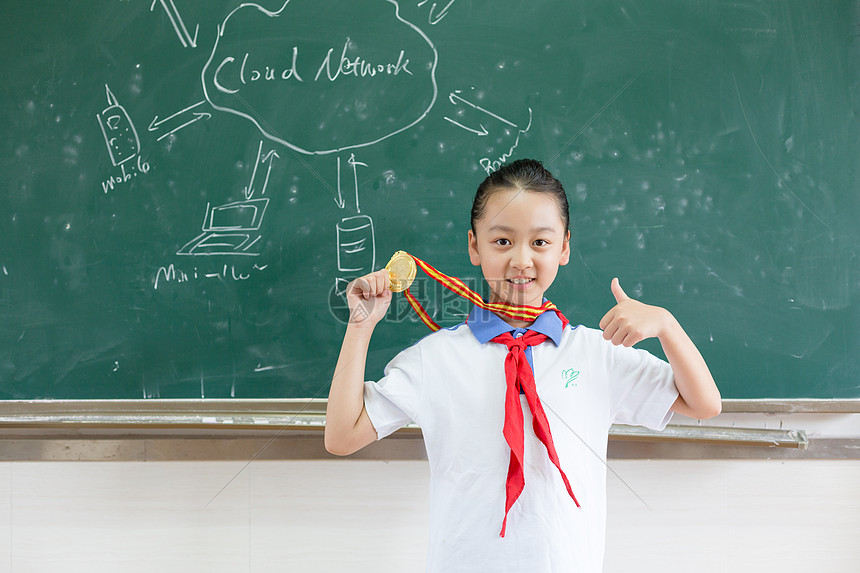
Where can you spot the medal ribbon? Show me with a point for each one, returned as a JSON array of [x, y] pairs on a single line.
[[455, 285]]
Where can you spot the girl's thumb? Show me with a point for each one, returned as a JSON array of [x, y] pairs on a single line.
[[619, 293]]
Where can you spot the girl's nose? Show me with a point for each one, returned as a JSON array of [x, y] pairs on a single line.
[[521, 258]]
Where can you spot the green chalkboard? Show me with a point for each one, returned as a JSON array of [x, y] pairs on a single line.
[[186, 186]]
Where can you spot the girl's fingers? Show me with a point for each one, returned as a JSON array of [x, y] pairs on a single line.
[[607, 319], [378, 282], [625, 339], [371, 285], [386, 278], [625, 336], [609, 330], [620, 332], [383, 280], [361, 287]]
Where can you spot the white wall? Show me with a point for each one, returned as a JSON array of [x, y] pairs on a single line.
[[706, 516], [735, 516]]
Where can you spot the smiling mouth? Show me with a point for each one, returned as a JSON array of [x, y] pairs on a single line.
[[520, 282]]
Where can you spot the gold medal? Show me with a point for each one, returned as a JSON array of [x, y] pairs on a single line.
[[401, 269]]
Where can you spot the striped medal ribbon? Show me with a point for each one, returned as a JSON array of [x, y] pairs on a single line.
[[401, 269]]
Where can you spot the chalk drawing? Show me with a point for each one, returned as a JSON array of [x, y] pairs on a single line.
[[356, 246], [434, 17], [491, 165], [173, 274], [233, 228], [339, 200], [119, 132], [184, 118], [123, 144], [177, 23], [455, 98], [356, 241], [346, 61], [468, 109]]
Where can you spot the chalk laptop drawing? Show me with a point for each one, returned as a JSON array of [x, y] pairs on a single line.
[[229, 229]]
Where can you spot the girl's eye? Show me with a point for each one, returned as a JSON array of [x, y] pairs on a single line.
[[541, 243], [502, 242]]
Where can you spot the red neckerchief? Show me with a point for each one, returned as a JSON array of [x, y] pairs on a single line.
[[519, 375]]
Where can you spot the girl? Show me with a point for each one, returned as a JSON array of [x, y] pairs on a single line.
[[515, 412]]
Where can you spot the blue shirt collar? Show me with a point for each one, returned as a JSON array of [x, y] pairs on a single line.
[[486, 325]]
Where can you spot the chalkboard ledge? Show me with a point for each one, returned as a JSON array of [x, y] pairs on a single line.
[[291, 429], [804, 406], [288, 414], [303, 415]]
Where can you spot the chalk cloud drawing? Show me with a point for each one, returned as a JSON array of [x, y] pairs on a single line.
[[365, 72]]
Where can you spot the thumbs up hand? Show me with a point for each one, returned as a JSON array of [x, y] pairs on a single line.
[[631, 321]]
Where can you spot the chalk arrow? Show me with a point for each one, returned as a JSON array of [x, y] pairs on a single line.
[[177, 23], [156, 124], [269, 158], [454, 96], [481, 133], [339, 199], [198, 115]]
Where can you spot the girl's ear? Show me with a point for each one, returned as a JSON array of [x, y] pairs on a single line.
[[565, 251], [474, 257]]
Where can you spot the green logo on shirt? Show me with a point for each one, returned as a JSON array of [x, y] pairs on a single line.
[[569, 376]]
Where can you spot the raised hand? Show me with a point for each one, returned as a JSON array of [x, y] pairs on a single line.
[[368, 298], [631, 321]]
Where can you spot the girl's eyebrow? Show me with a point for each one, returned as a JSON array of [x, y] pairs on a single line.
[[506, 229]]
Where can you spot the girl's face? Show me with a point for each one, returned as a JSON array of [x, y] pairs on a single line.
[[519, 243]]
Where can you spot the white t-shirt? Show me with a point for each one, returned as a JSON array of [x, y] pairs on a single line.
[[452, 384]]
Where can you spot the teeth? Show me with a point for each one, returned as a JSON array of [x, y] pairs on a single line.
[[521, 281]]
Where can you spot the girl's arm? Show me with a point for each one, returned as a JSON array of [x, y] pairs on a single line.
[[347, 426], [631, 321]]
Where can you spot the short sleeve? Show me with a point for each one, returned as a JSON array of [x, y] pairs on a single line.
[[393, 401], [642, 388]]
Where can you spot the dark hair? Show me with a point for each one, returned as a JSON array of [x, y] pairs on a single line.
[[526, 175]]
